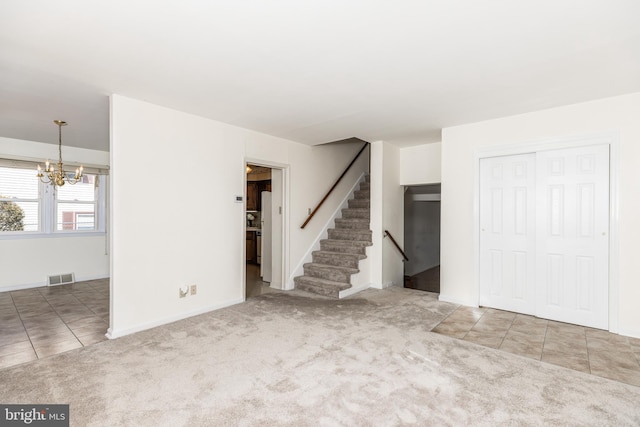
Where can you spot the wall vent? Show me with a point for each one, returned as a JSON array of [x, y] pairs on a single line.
[[61, 279]]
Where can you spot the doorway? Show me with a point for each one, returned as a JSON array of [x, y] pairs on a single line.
[[544, 234], [422, 237], [264, 228]]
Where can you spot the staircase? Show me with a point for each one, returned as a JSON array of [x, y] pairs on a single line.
[[339, 256]]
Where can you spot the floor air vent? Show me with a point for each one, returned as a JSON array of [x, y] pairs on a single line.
[[61, 279]]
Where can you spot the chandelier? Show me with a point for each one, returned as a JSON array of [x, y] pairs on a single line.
[[58, 176]]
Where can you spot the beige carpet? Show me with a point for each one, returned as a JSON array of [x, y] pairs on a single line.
[[288, 359]]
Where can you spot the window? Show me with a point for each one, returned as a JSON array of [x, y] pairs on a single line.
[[28, 206], [76, 205], [19, 200]]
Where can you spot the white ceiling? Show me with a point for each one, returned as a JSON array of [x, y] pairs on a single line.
[[310, 71]]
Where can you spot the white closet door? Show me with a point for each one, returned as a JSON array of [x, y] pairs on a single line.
[[507, 232], [572, 278]]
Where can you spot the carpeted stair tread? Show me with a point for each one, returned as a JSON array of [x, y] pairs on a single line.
[[347, 246], [358, 203], [362, 194], [353, 223], [319, 266], [330, 272], [346, 242], [319, 286], [339, 254], [349, 234], [341, 259], [362, 213]]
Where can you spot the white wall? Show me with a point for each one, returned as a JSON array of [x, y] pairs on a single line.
[[26, 262], [387, 213], [197, 237], [420, 164], [618, 115]]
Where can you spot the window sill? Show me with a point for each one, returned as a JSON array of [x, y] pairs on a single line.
[[57, 235]]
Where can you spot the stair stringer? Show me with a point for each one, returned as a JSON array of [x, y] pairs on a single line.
[[324, 234], [361, 280]]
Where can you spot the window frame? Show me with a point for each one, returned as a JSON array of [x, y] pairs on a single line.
[[98, 217], [47, 221], [38, 200]]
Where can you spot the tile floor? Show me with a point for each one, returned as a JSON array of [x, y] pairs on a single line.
[[40, 322], [575, 347], [254, 284]]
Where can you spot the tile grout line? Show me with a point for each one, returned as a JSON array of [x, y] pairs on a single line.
[[58, 314], [544, 342], [82, 302], [546, 327], [635, 353], [23, 325], [476, 322], [586, 344], [508, 329], [446, 317], [70, 292]]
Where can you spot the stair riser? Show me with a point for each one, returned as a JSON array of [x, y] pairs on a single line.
[[356, 214], [303, 286], [335, 275], [352, 225], [361, 194], [358, 250], [343, 234], [365, 186], [339, 261], [359, 203]]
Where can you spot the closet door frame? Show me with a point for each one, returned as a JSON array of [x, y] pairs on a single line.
[[609, 138]]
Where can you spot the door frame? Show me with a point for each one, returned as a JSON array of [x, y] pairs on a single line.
[[284, 168], [609, 138]]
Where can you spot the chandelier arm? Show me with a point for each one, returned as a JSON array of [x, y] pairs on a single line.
[[42, 178], [58, 177]]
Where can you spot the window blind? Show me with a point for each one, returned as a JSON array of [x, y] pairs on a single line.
[[70, 167]]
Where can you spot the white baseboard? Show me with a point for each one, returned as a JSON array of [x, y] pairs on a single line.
[[353, 290], [629, 333], [23, 286], [117, 333], [381, 285], [92, 277], [44, 283], [459, 301]]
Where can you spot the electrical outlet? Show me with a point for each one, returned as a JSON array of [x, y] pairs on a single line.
[[183, 291], [194, 289]]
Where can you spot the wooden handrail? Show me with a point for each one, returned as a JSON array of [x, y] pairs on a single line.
[[386, 233], [334, 185]]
